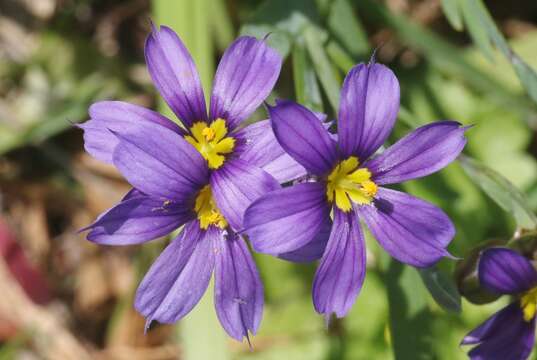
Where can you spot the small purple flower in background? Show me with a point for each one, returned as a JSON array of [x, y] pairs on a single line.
[[202, 176], [293, 222], [510, 333]]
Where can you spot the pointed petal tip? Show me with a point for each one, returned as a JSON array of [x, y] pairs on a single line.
[[147, 325], [85, 228], [432, 262], [267, 105], [468, 127], [153, 26], [247, 336], [453, 257], [327, 320], [469, 340], [373, 58]]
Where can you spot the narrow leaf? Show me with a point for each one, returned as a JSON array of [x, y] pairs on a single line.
[[442, 288], [410, 318], [499, 189], [443, 55], [477, 31], [326, 73], [283, 19], [339, 57], [221, 24], [453, 14], [527, 75], [306, 88], [347, 28]]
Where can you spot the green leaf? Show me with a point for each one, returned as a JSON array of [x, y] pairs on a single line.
[[306, 88], [339, 57], [288, 16], [284, 19], [499, 189], [410, 320], [527, 75], [346, 28], [453, 14], [479, 10], [477, 31], [442, 288], [444, 56], [222, 26], [325, 72], [200, 328]]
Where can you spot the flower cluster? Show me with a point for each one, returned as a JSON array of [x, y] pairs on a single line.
[[219, 181], [201, 176]]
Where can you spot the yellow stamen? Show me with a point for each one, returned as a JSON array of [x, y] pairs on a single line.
[[528, 303], [348, 181], [208, 212], [211, 141], [208, 133]]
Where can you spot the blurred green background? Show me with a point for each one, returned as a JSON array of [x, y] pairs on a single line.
[[62, 297]]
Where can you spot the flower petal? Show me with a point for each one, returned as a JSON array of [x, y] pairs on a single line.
[[303, 137], [177, 280], [245, 77], [411, 230], [99, 142], [493, 325], [132, 193], [175, 75], [236, 185], [422, 152], [162, 165], [287, 219], [113, 112], [505, 335], [367, 110], [138, 219], [284, 169], [120, 117], [341, 273], [314, 249], [504, 271], [238, 293], [258, 146]]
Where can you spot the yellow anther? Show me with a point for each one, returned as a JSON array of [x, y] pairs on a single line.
[[207, 211], [348, 182], [528, 303], [369, 188], [211, 141], [208, 133]]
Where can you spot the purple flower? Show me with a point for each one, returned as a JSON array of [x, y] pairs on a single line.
[[348, 182], [510, 333], [202, 175]]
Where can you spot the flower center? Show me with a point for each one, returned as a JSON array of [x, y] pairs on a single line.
[[208, 213], [211, 141], [528, 303], [347, 181]]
